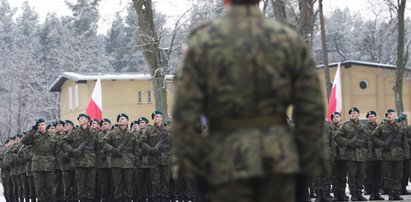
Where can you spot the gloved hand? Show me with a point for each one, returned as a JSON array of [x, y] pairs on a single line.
[[34, 127]]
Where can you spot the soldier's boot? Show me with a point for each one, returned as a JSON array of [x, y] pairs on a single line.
[[33, 199], [397, 195], [311, 192], [354, 196], [339, 196], [322, 196], [346, 198], [328, 194], [390, 194], [360, 196]]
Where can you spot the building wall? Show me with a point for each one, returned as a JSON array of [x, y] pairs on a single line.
[[118, 96], [379, 94]]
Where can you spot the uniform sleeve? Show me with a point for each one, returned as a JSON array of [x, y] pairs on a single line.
[[187, 110], [405, 144], [29, 138], [105, 142], [308, 111], [376, 138], [67, 140], [340, 139]]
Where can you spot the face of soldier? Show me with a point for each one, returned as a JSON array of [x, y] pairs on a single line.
[[83, 121], [59, 127], [336, 119], [354, 115], [123, 121], [51, 129], [94, 125], [158, 119], [68, 127], [105, 126], [135, 127], [41, 127], [372, 118], [391, 116], [142, 124]]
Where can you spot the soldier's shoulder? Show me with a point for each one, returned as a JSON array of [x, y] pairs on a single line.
[[202, 27]]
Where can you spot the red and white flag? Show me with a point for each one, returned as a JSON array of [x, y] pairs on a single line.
[[95, 107], [335, 101]]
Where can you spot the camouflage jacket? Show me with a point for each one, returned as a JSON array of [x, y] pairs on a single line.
[[112, 140], [15, 163], [87, 156], [373, 152], [244, 66], [44, 151], [5, 162], [60, 153], [25, 153], [407, 131], [351, 147], [103, 157], [152, 136], [393, 141], [335, 149], [67, 162]]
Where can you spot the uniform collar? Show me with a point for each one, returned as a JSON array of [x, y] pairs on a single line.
[[237, 10]]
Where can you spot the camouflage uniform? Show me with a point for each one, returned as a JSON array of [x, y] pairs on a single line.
[[59, 187], [43, 163], [84, 160], [406, 163], [159, 160], [373, 165], [68, 173], [104, 177], [16, 171], [354, 152], [338, 166], [242, 71], [143, 175], [321, 184], [122, 162], [25, 156], [5, 173], [392, 154]]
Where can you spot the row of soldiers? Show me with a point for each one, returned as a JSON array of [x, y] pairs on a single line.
[[92, 162], [374, 158]]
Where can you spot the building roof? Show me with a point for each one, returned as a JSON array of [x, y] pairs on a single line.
[[349, 63], [62, 78]]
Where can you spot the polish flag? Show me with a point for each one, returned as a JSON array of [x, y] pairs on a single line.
[[95, 107], [335, 101]]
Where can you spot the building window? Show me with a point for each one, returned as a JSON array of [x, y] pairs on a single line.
[[148, 96], [70, 98], [363, 84], [139, 97], [76, 98]]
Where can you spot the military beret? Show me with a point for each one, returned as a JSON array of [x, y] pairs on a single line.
[[105, 120], [334, 113], [115, 126], [24, 132], [142, 119], [19, 135], [50, 125], [371, 113], [134, 122], [354, 109], [7, 141], [12, 138], [94, 120], [122, 115], [69, 122], [40, 120], [155, 113], [83, 115], [60, 122], [389, 111]]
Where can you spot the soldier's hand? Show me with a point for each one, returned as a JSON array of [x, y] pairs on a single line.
[[116, 152]]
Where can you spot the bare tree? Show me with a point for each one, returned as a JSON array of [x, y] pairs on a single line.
[[399, 9], [324, 50]]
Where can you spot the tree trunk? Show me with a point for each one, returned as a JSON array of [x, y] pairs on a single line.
[[307, 19], [149, 41], [400, 58], [325, 51], [279, 10]]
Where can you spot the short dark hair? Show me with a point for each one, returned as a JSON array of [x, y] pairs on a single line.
[[245, 1]]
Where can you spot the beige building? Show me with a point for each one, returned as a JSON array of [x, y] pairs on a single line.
[[131, 93], [368, 86]]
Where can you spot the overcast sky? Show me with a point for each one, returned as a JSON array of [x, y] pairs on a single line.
[[172, 8]]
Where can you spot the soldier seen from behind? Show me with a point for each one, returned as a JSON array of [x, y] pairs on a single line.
[[243, 71]]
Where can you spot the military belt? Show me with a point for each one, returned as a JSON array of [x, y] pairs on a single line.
[[251, 122]]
